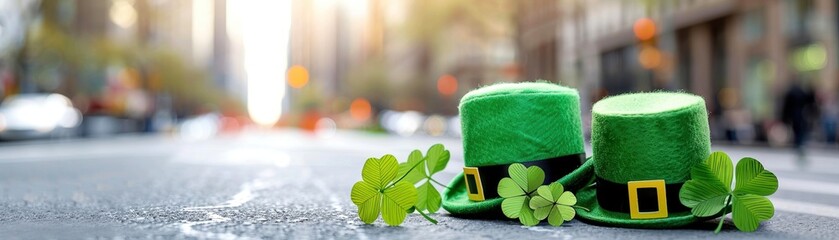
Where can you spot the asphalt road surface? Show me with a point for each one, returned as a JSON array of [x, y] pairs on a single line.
[[295, 185]]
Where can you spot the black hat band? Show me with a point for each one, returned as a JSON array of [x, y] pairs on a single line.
[[641, 199], [482, 182]]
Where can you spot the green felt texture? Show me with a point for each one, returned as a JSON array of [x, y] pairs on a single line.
[[646, 136], [511, 123], [456, 202], [520, 122]]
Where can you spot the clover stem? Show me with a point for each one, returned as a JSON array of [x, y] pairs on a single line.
[[427, 217], [583, 208], [438, 183], [406, 174], [719, 227]]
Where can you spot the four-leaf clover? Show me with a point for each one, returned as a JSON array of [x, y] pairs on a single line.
[[517, 191], [554, 203], [378, 192], [709, 191]]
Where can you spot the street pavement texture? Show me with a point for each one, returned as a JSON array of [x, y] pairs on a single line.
[[288, 184]]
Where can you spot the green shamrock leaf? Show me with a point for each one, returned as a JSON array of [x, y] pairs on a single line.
[[709, 191], [709, 187], [419, 168], [377, 192], [416, 174], [517, 191], [554, 203], [752, 178], [749, 210], [437, 158], [429, 198]]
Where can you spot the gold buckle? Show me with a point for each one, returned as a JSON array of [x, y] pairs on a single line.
[[633, 187], [474, 189]]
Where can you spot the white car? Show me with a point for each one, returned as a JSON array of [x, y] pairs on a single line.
[[27, 116]]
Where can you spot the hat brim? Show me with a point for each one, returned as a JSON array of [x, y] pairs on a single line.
[[587, 197], [456, 201]]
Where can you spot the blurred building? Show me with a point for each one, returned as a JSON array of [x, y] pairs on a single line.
[[195, 30], [384, 51], [198, 31], [321, 41], [538, 39], [740, 55]]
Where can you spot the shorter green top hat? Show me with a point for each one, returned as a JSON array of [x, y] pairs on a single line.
[[536, 124], [644, 146]]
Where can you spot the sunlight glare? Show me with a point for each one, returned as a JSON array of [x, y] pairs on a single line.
[[265, 29]]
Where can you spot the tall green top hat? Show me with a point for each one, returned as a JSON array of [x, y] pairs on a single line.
[[536, 124], [644, 147]]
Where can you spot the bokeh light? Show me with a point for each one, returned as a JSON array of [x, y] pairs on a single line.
[[810, 58], [122, 13], [435, 125], [447, 85], [649, 57], [644, 29], [408, 123], [325, 128], [309, 120], [360, 109], [298, 76]]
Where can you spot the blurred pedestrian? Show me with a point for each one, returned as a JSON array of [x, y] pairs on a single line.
[[797, 109]]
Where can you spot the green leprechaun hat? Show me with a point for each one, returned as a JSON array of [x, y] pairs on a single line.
[[644, 145], [534, 123]]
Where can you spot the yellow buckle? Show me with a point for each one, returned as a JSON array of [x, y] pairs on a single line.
[[474, 189], [633, 187]]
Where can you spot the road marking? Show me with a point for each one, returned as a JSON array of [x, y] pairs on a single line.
[[808, 186], [187, 230], [246, 194], [242, 197], [806, 208]]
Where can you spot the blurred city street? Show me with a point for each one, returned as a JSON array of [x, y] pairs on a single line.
[[294, 184]]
